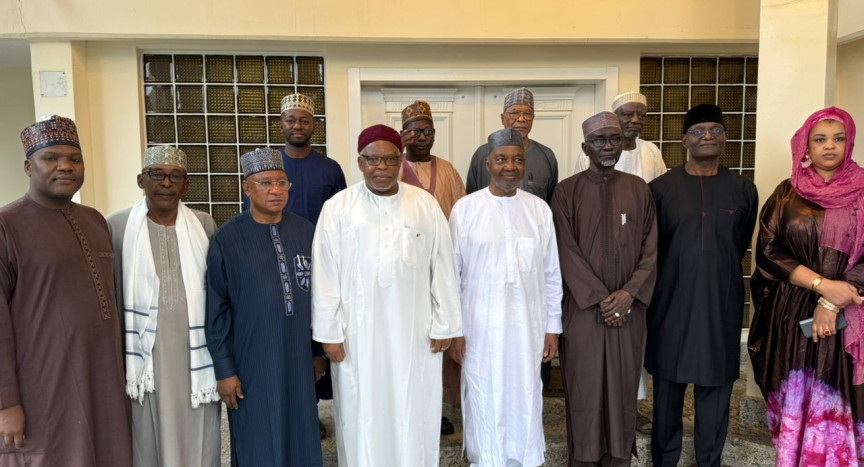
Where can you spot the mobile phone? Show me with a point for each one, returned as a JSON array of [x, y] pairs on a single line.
[[807, 325]]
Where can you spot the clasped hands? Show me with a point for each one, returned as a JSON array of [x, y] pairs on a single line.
[[616, 307]]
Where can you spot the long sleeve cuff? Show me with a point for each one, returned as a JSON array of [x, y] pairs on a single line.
[[328, 340], [9, 397], [224, 368], [451, 335], [554, 326]]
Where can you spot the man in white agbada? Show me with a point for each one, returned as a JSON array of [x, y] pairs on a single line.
[[640, 158], [507, 257], [160, 266], [385, 304]]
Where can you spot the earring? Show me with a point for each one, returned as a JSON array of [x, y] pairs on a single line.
[[807, 162]]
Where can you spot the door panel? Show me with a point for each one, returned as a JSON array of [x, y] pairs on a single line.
[[465, 115]]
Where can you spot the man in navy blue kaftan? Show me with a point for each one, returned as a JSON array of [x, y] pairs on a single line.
[[314, 177], [258, 322]]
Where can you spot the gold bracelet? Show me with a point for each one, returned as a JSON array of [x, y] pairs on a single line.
[[816, 282], [828, 305]]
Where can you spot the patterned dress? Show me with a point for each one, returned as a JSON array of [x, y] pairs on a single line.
[[815, 414]]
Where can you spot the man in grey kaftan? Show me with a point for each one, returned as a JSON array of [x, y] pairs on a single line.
[[172, 424]]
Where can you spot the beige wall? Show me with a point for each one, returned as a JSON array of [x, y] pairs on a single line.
[[382, 20], [16, 112], [850, 22], [850, 87], [115, 114]]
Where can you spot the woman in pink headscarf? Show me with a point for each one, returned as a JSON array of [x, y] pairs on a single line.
[[809, 265]]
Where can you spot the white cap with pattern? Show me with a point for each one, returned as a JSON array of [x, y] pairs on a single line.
[[627, 98], [298, 101]]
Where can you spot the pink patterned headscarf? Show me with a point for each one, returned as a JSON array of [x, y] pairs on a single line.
[[843, 200]]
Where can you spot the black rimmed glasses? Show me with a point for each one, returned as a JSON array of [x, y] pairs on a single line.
[[515, 114], [701, 132], [600, 143], [429, 132], [159, 176], [375, 161]]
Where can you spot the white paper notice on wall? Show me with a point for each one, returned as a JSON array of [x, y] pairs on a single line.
[[53, 83]]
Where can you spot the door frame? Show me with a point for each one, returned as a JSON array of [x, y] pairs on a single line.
[[604, 79]]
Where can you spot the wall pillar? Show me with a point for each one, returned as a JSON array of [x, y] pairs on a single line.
[[797, 66], [66, 96]]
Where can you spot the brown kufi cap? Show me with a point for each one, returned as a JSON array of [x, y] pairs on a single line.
[[419, 110], [55, 131], [598, 122]]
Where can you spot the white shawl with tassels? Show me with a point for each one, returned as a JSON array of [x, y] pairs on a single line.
[[141, 302]]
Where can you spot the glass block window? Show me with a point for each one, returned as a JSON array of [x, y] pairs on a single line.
[[216, 107], [674, 84]]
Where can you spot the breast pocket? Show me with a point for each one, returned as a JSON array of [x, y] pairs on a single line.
[[413, 246], [627, 229], [526, 252], [727, 223]]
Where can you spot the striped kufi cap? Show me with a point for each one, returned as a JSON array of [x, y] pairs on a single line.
[[519, 96], [261, 160]]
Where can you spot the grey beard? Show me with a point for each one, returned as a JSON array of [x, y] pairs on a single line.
[[607, 163]]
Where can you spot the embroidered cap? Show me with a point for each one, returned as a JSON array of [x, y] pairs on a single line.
[[261, 160], [298, 101], [521, 96], [164, 155], [55, 131], [599, 121], [419, 110], [627, 98]]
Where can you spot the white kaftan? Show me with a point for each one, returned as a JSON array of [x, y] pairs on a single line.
[[645, 161], [510, 280], [384, 283]]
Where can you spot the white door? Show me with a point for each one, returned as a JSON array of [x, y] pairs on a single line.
[[465, 115]]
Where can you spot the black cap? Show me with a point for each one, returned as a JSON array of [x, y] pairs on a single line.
[[703, 113]]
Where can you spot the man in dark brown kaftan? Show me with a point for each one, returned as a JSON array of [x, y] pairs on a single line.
[[62, 398], [607, 243]]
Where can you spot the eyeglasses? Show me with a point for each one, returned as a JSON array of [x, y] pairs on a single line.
[[600, 143], [375, 161], [426, 131], [515, 114], [158, 176], [269, 184], [701, 132]]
